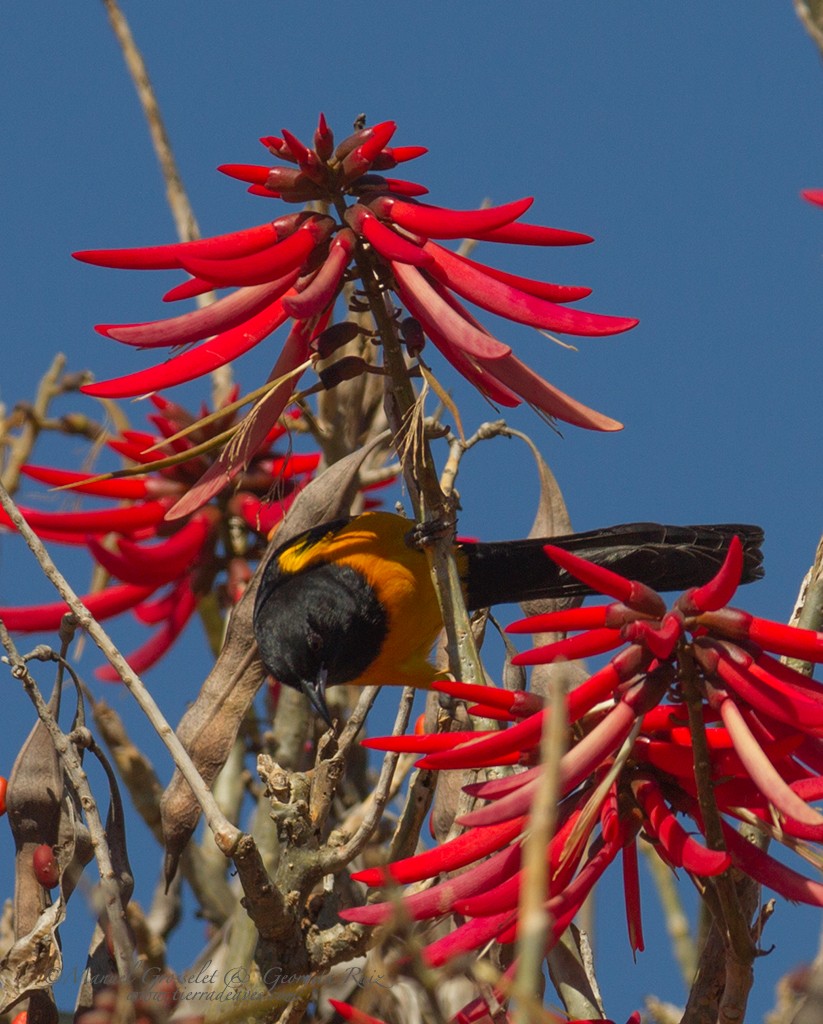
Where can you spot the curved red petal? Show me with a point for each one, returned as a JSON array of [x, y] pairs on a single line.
[[196, 362], [223, 315]]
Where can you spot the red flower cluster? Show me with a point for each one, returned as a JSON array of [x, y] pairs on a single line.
[[375, 229], [164, 568], [631, 765]]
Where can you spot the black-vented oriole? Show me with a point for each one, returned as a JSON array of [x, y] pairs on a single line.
[[351, 601]]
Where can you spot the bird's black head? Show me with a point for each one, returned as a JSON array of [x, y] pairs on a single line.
[[317, 628]]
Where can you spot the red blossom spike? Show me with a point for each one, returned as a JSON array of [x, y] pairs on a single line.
[[351, 142], [661, 640], [223, 315], [323, 287], [518, 701], [258, 424], [431, 310], [442, 898], [133, 488], [380, 136], [511, 302], [456, 853], [196, 362], [180, 547], [468, 367], [102, 605], [391, 156], [409, 189], [764, 693], [305, 157], [761, 867], [158, 610], [254, 173], [439, 222], [586, 645], [736, 624], [779, 673], [532, 234], [633, 594], [813, 195], [420, 744], [125, 519], [598, 687], [562, 908], [129, 571], [263, 192], [575, 765], [147, 655], [567, 619], [388, 243], [262, 267], [323, 139], [467, 937], [277, 147], [545, 397], [762, 772], [631, 892], [188, 290], [156, 565], [716, 738], [721, 589], [167, 257], [678, 845], [495, 714], [506, 894], [540, 289]]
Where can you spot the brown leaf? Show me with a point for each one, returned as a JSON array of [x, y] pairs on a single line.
[[551, 520], [34, 962]]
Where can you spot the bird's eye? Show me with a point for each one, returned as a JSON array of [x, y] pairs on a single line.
[[314, 641]]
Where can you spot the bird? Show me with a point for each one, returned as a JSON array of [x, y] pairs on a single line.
[[352, 600]]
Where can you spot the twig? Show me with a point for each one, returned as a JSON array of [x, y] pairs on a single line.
[[181, 209], [421, 478], [533, 918], [21, 447], [733, 927], [333, 859], [812, 20]]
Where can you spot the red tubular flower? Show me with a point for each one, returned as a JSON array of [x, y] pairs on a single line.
[[296, 265], [162, 570], [763, 729]]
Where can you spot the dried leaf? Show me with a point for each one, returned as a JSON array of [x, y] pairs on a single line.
[[34, 962], [444, 397], [551, 520]]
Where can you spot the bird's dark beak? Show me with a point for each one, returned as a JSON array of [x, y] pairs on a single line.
[[315, 692]]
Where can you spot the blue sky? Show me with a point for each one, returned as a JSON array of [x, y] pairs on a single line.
[[678, 135]]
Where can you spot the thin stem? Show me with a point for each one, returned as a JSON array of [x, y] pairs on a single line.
[[421, 478], [534, 919], [734, 928]]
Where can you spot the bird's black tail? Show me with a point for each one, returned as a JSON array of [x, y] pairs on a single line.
[[662, 557]]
